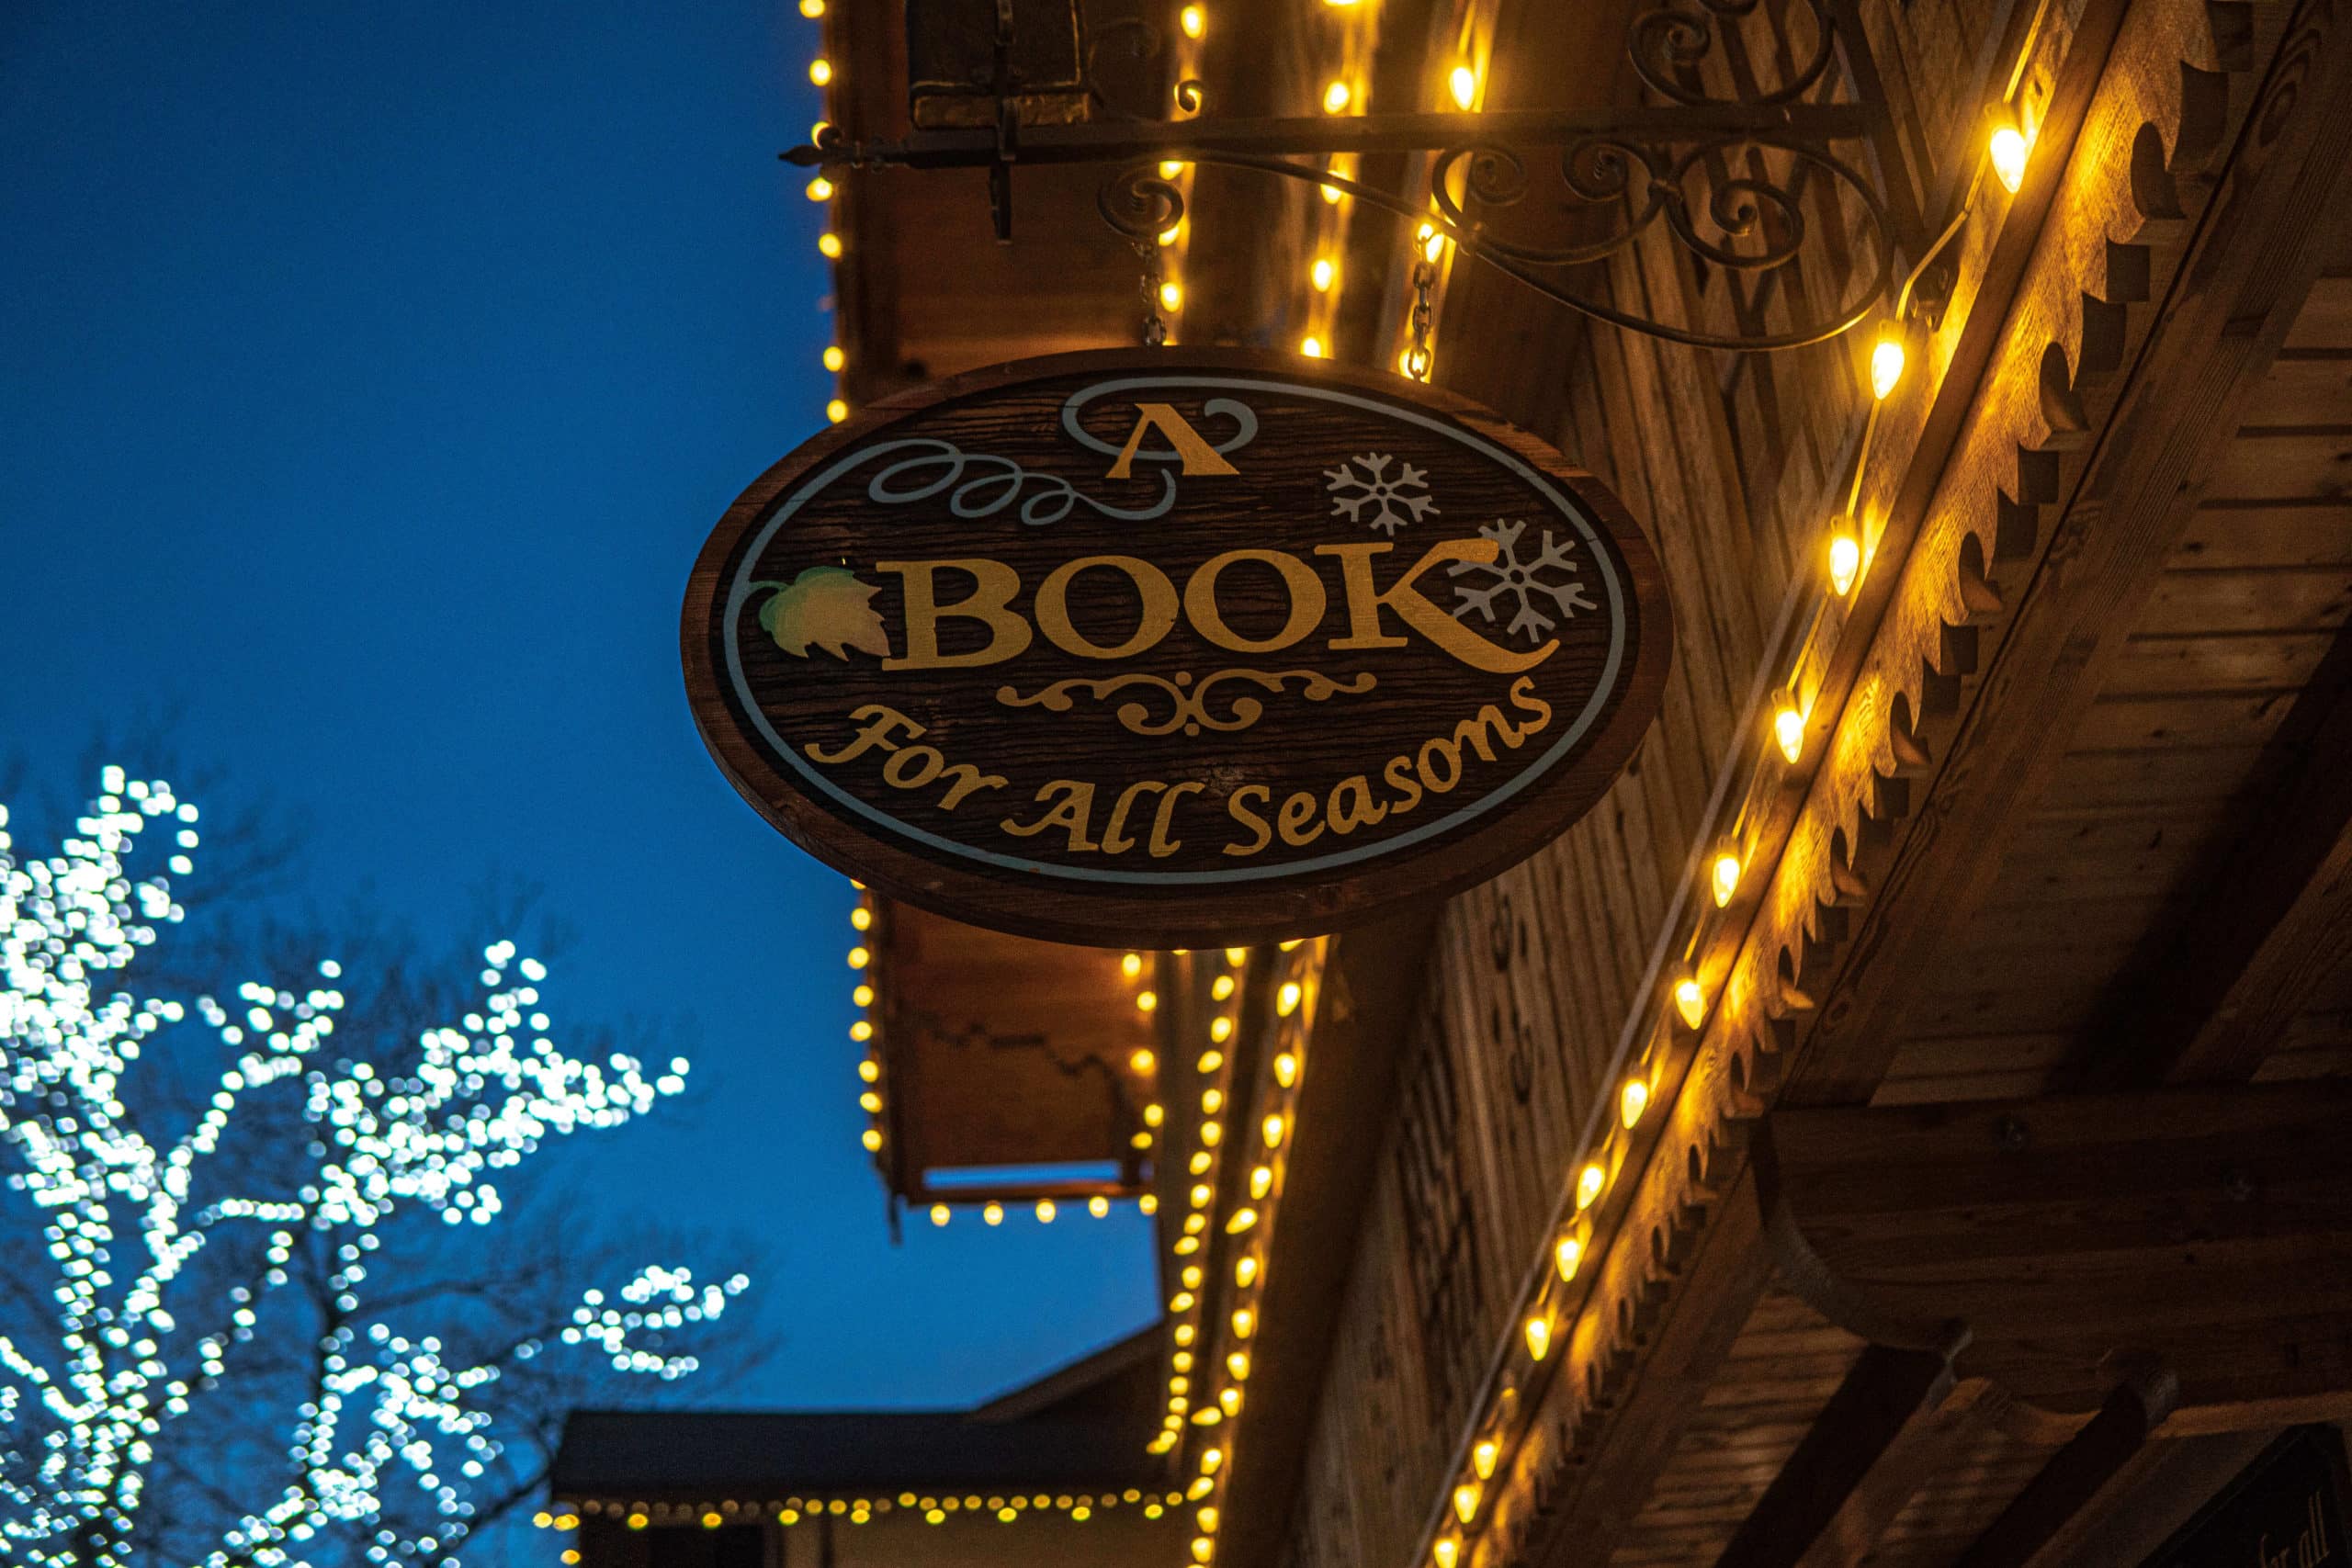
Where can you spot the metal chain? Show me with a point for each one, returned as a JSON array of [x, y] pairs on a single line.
[[1155, 325], [1417, 357]]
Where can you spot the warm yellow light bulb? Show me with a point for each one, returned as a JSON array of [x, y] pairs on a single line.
[[1466, 1502], [1141, 1060], [1131, 965], [1286, 999], [869, 1069], [1723, 875], [1243, 1218], [1098, 1206], [1285, 1069], [859, 958], [1845, 558], [820, 71], [813, 9], [1335, 97], [1589, 1181], [1193, 20], [1045, 1211], [1261, 1181], [1446, 1552], [1220, 1031], [1465, 83], [1221, 987], [2008, 148], [1631, 1100], [1235, 957], [1483, 1457], [1230, 1398], [1146, 1000], [993, 1214], [1210, 1062], [861, 917], [1886, 361], [1271, 1129], [820, 189], [1322, 273], [1244, 1323], [1566, 1253], [1539, 1337], [1200, 1162], [829, 245], [1788, 730], [872, 1139], [1689, 1001], [1149, 1204], [1245, 1269], [1171, 234], [863, 996], [1171, 167], [1212, 1101], [1171, 295], [939, 1213], [861, 1031], [836, 411], [1153, 1115], [834, 357], [1312, 347], [1238, 1363]]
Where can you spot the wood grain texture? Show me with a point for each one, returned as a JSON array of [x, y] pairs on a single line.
[[1217, 655]]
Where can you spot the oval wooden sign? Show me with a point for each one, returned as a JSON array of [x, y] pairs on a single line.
[[1175, 647]]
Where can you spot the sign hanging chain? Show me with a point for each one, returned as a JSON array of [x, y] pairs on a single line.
[[1155, 325], [1417, 357]]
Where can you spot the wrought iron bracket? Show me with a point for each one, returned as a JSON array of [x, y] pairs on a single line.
[[1796, 196]]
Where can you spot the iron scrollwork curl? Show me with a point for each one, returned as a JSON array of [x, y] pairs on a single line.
[[1714, 195], [1669, 45]]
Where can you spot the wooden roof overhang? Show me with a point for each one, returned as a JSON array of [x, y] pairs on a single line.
[[1959, 1193], [1009, 1069]]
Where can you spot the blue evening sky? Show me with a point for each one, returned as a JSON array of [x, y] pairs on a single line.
[[372, 372]]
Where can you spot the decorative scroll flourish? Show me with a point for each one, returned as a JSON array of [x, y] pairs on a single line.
[[981, 484], [1669, 45], [1737, 201], [1191, 712]]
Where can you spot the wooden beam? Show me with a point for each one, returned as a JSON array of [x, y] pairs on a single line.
[[1899, 1419], [2272, 919], [2076, 1473], [2210, 1228]]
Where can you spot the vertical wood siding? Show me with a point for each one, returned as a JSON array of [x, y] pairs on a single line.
[[1734, 464]]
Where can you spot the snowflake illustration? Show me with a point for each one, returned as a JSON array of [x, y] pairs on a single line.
[[1516, 580], [1410, 488]]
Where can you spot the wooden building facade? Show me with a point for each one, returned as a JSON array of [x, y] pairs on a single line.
[[1905, 1121]]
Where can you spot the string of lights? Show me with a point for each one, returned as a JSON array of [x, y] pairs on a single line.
[[1551, 1310], [133, 1347]]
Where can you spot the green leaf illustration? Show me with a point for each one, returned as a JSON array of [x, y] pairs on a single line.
[[826, 606]]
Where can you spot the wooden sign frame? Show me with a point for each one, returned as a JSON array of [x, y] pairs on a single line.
[[1202, 907]]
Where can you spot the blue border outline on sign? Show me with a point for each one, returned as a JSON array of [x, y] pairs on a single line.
[[740, 590]]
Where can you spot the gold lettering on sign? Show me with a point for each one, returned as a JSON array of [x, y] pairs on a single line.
[[1075, 804], [994, 586], [1307, 601], [1436, 767], [2311, 1547], [1158, 614], [1365, 602], [1198, 456], [906, 767]]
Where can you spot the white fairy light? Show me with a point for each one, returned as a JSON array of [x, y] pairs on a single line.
[[83, 1410]]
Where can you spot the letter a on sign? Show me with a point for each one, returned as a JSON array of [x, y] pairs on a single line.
[[1198, 456]]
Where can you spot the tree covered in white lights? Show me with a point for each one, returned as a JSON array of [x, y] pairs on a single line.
[[247, 1311]]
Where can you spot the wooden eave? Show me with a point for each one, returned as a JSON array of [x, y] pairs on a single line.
[[2073, 819]]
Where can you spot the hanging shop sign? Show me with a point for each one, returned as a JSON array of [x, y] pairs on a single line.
[[1173, 648]]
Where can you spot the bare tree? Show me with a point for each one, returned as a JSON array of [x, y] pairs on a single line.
[[261, 1298]]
